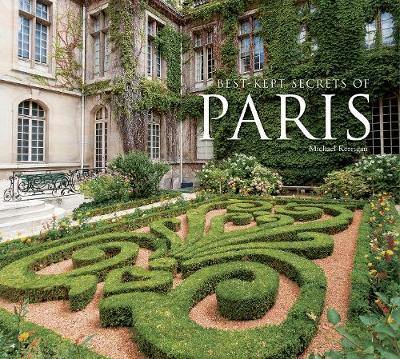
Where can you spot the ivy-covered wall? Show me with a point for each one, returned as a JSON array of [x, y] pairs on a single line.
[[338, 26]]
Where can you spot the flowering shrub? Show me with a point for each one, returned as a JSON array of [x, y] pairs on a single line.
[[381, 173], [345, 184], [105, 188], [240, 174], [384, 260]]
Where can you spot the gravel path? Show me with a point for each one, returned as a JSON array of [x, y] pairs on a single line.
[[337, 268]]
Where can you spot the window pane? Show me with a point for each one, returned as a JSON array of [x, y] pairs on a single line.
[[41, 43], [258, 53], [25, 5], [41, 10], [370, 34], [158, 62], [257, 25], [302, 34], [197, 40], [107, 52], [24, 37], [199, 65], [149, 57], [245, 55], [96, 67], [387, 25], [210, 37], [210, 62], [245, 28]]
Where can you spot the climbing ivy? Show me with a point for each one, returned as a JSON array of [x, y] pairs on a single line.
[[338, 27]]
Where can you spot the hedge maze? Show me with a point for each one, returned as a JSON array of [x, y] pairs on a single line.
[[241, 267]]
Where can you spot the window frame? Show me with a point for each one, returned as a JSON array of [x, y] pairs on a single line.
[[100, 36], [30, 118], [378, 39], [379, 105], [204, 51], [103, 122], [153, 123], [35, 20], [154, 62], [251, 35]]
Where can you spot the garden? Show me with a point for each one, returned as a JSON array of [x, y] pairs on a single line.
[[240, 271]]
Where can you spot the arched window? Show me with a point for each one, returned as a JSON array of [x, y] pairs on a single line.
[[101, 134], [385, 137], [153, 136], [31, 132]]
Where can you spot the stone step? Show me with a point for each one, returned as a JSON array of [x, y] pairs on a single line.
[[9, 209], [39, 211], [28, 220]]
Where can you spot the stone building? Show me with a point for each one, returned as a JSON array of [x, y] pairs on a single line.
[[46, 126]]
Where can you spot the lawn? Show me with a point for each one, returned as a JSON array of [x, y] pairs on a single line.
[[239, 277]]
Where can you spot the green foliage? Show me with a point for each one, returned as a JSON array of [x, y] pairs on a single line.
[[90, 209], [241, 267], [171, 45], [379, 340], [143, 174], [381, 173], [384, 257], [21, 339], [338, 27], [106, 188], [250, 295], [345, 184], [240, 174]]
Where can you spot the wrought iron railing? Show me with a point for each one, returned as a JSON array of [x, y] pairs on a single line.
[[50, 183]]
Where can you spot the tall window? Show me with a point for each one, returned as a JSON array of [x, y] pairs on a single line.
[[153, 136], [204, 63], [101, 134], [251, 46], [31, 130], [305, 10], [101, 44], [33, 34], [154, 60], [385, 137], [382, 28]]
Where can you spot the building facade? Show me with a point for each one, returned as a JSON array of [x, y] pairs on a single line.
[[48, 122]]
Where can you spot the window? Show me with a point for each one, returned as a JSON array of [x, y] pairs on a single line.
[[305, 11], [204, 63], [153, 136], [382, 28], [101, 133], [101, 44], [37, 21], [251, 45], [385, 137], [31, 129], [154, 59]]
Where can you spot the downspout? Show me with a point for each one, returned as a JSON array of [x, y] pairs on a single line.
[[181, 125], [83, 83]]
